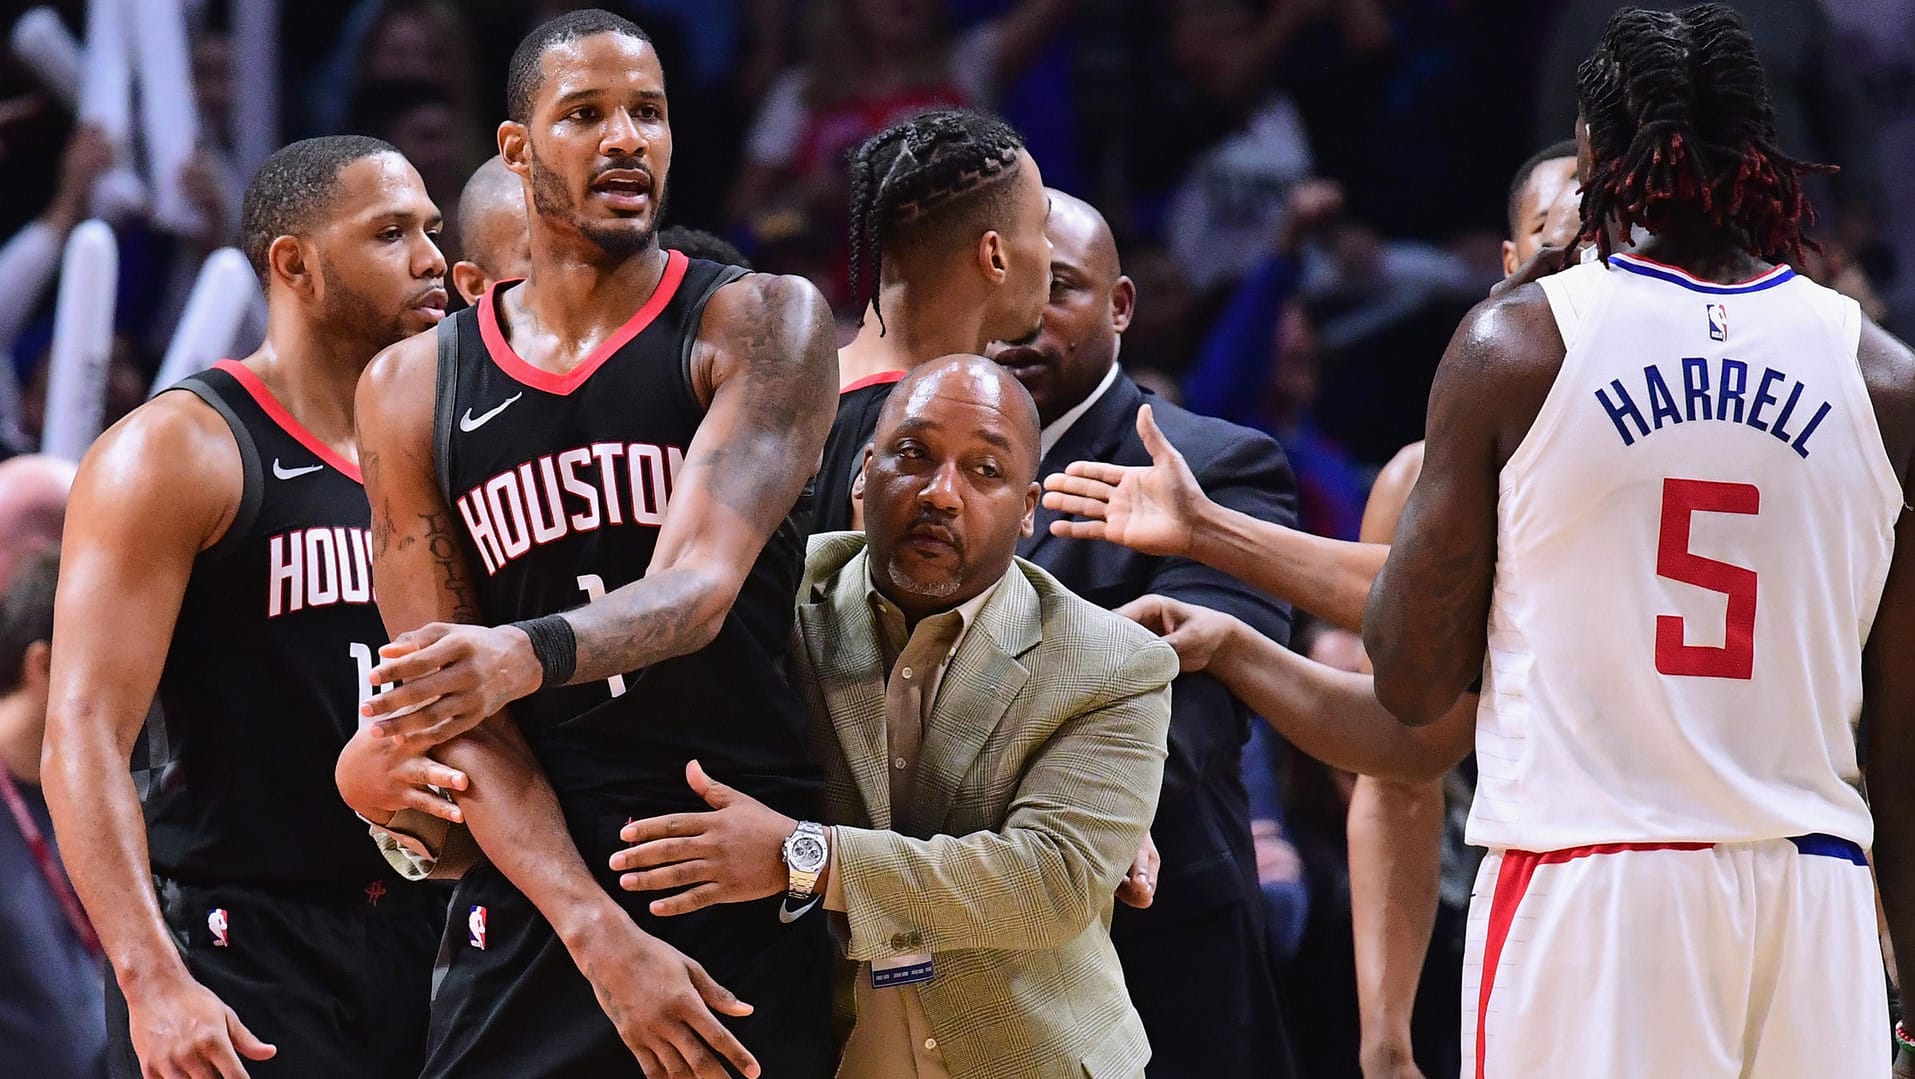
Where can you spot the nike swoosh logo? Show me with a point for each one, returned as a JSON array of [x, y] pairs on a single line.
[[285, 473], [470, 423], [786, 915]]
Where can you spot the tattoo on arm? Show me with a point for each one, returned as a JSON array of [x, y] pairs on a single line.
[[444, 548]]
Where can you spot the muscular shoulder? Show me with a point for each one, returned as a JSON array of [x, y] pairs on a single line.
[[1888, 367], [1094, 650], [399, 386], [762, 321], [1499, 367], [172, 463]]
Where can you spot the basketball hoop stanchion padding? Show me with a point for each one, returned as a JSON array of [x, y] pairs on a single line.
[[221, 297], [82, 341], [106, 101], [44, 45], [169, 121]]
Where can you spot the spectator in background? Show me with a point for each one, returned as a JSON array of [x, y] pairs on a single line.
[[1877, 45], [1286, 891], [31, 258], [405, 41], [868, 64], [418, 117], [52, 981], [1260, 367], [1229, 202]]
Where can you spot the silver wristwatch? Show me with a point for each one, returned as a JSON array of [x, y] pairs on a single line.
[[804, 855]]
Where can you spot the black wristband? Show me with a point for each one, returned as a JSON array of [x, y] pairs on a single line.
[[555, 645]]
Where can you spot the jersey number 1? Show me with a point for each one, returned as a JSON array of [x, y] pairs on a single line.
[[1681, 501], [594, 587]]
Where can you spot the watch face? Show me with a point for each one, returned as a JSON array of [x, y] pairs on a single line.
[[806, 854]]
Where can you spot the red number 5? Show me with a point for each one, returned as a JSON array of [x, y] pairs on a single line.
[[1681, 500]]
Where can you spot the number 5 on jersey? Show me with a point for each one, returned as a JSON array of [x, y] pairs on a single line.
[[1681, 501]]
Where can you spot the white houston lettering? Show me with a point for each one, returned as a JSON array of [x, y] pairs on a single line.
[[318, 567], [547, 498]]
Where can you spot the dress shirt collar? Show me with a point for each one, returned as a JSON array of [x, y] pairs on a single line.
[[1057, 428]]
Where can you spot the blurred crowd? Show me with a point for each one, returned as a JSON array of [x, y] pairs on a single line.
[[1308, 193]]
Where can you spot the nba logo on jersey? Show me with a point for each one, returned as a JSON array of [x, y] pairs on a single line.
[[216, 921], [1718, 322], [475, 928]]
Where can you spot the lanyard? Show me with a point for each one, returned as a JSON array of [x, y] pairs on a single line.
[[43, 856]]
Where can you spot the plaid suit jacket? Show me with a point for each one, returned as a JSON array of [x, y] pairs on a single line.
[[1037, 778]]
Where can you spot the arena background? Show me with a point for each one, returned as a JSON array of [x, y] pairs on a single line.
[[1193, 124]]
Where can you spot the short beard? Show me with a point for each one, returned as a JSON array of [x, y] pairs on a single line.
[[944, 588], [550, 199], [353, 315]]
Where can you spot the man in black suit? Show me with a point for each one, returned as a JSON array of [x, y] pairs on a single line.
[[1195, 961]]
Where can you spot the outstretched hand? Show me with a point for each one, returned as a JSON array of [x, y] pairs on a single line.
[[734, 854], [1150, 509]]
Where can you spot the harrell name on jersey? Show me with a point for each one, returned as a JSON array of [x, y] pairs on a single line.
[[1691, 544]]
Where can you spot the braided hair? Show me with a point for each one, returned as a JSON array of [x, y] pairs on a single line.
[[1681, 131], [922, 178]]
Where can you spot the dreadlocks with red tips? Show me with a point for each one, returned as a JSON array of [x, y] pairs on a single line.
[[1681, 133]]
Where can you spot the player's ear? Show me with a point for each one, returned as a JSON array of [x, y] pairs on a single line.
[[1123, 303], [991, 257], [1509, 258], [289, 262], [515, 147], [470, 280]]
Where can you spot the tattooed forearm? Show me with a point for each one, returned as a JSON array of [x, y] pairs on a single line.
[[449, 563], [668, 614]]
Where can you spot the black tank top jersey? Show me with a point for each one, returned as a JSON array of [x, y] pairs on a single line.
[[267, 667], [851, 430], [558, 486]]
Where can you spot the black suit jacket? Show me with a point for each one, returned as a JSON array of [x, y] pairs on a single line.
[[1202, 828]]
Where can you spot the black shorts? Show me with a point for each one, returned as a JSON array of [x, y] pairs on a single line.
[[518, 1008], [340, 983]]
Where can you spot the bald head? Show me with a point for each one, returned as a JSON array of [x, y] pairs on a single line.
[[972, 380], [950, 483], [33, 496], [492, 229], [1079, 229], [1089, 307]]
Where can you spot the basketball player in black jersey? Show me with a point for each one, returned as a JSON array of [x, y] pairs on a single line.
[[947, 235], [628, 427], [217, 551]]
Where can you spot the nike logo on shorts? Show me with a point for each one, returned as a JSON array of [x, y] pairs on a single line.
[[470, 423], [285, 473]]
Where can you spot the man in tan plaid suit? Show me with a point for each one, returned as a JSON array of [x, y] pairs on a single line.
[[993, 747]]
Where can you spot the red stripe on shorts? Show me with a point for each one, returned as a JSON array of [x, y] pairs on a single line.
[[1512, 881]]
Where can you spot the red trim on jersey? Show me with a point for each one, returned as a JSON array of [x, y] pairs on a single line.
[[1512, 882], [878, 379], [540, 379], [1631, 256], [265, 399]]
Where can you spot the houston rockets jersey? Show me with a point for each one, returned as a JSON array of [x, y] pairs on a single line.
[[558, 486], [276, 634]]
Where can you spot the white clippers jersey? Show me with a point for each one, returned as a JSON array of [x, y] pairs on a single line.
[[1691, 543]]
